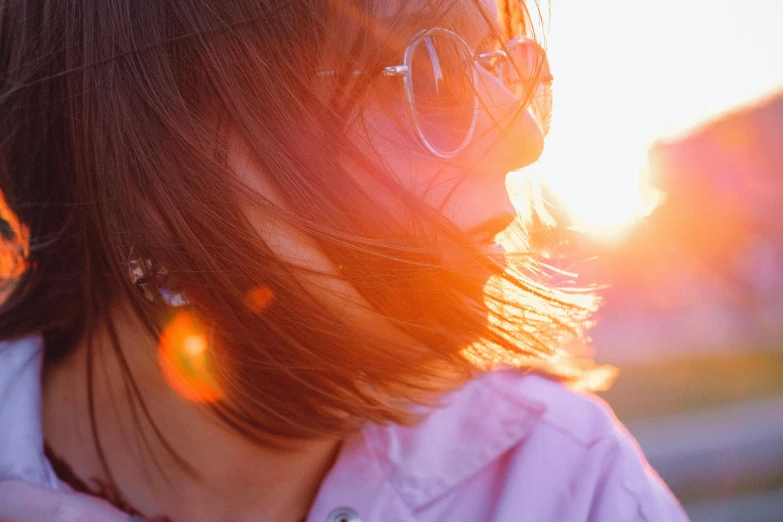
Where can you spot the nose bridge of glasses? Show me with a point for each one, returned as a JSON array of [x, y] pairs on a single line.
[[395, 70], [489, 61], [498, 53]]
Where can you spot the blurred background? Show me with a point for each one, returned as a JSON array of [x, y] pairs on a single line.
[[664, 169]]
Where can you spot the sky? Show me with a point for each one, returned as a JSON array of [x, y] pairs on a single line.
[[630, 72]]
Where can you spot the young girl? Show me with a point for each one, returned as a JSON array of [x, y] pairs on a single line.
[[262, 281]]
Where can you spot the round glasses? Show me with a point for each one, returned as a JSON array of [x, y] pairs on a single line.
[[439, 85]]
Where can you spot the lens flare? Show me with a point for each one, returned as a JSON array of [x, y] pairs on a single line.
[[186, 360], [195, 345], [14, 242], [259, 298]]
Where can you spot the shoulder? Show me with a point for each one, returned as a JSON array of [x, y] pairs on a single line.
[[514, 444]]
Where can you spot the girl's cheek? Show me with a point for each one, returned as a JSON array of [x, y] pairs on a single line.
[[385, 134]]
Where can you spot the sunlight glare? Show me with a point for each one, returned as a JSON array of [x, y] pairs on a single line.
[[628, 74]]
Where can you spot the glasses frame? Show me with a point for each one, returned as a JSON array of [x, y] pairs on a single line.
[[405, 71], [492, 61]]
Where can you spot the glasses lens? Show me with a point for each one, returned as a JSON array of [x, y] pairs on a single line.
[[527, 75], [443, 93]]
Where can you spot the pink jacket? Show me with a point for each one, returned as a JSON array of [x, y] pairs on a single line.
[[506, 447]]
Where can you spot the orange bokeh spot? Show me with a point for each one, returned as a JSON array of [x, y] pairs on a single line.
[[14, 251], [195, 345], [186, 360], [259, 298]]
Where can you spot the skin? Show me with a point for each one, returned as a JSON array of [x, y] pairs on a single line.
[[241, 480]]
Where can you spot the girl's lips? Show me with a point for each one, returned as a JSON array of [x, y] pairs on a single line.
[[494, 251], [486, 231]]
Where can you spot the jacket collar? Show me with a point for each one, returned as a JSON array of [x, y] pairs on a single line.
[[382, 473], [21, 443], [388, 472]]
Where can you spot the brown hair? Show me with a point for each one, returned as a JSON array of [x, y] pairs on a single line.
[[116, 120]]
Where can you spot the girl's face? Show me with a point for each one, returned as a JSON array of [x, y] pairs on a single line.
[[469, 188]]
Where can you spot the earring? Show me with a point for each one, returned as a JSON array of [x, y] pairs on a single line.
[[149, 280]]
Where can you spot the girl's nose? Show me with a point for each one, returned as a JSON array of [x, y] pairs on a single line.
[[507, 135]]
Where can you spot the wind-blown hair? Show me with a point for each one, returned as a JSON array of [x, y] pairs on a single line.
[[117, 122]]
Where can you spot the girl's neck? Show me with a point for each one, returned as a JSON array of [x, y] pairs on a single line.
[[237, 479]]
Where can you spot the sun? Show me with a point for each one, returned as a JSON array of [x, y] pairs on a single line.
[[605, 193], [627, 75]]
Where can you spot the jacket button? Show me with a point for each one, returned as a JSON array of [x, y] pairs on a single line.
[[343, 514]]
